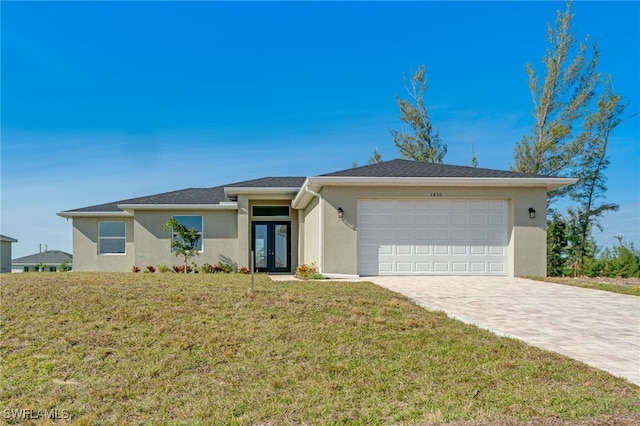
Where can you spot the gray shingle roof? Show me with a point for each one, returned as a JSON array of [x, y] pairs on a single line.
[[9, 239], [271, 182], [183, 196], [50, 257], [390, 169], [197, 196], [409, 168]]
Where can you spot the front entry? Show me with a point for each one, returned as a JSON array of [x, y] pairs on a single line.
[[271, 245]]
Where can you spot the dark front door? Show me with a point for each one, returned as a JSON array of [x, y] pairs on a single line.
[[271, 245]]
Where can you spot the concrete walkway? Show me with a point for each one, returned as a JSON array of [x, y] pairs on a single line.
[[599, 328]]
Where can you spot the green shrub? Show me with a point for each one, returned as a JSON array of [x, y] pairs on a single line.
[[64, 266], [163, 268], [207, 268], [224, 268]]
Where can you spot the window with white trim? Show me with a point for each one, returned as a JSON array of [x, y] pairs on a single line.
[[111, 238], [190, 222]]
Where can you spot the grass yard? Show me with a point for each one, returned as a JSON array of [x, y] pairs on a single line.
[[628, 286], [199, 349]]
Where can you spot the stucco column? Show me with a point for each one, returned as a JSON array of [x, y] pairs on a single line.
[[244, 248]]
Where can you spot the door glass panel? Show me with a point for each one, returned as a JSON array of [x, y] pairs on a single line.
[[281, 246], [260, 246]]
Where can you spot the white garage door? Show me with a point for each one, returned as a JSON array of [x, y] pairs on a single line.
[[432, 237]]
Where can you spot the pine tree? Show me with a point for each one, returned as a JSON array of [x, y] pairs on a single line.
[[424, 144], [561, 101]]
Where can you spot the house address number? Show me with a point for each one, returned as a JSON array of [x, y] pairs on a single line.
[[436, 194]]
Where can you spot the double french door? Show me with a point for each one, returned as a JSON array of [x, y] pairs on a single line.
[[271, 246]]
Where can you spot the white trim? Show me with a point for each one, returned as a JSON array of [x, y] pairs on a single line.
[[548, 182], [300, 195], [231, 190], [69, 215]]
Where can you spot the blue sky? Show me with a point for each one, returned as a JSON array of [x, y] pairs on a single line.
[[103, 101]]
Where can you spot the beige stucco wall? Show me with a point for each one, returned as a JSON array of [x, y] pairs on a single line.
[[153, 245], [5, 256], [527, 237], [85, 246], [310, 231]]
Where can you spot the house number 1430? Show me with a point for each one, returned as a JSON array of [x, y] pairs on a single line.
[[436, 194]]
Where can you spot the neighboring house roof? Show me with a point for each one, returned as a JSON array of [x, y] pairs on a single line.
[[396, 172], [50, 257], [7, 239]]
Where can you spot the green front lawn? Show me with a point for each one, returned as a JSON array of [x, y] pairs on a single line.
[[628, 286], [200, 349]]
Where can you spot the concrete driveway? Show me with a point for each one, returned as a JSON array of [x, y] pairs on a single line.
[[599, 328]]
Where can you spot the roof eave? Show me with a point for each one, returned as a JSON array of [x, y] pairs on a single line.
[[316, 183], [233, 191], [547, 182], [72, 214], [302, 198]]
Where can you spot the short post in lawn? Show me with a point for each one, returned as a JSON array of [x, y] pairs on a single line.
[[253, 259]]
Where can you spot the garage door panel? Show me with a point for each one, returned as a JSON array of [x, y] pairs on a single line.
[[441, 250], [422, 267], [403, 267], [478, 234], [477, 219], [496, 250], [432, 237], [497, 267], [478, 250], [441, 219], [459, 267], [404, 249], [441, 267], [460, 250], [441, 234], [459, 220], [422, 219], [423, 250], [478, 267], [386, 249], [459, 235], [404, 234]]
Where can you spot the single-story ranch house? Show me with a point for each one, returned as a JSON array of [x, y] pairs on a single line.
[[397, 217], [46, 261]]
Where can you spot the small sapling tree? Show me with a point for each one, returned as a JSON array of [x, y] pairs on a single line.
[[185, 241]]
